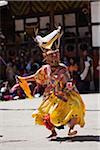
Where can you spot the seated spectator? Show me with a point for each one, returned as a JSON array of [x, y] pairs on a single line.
[[17, 92], [32, 66], [10, 73], [5, 92], [69, 52]]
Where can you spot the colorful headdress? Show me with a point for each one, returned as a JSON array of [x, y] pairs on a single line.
[[45, 43]]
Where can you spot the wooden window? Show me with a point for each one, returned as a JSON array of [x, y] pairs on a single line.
[[83, 31], [19, 25], [96, 36], [95, 12], [44, 21], [69, 19], [31, 20], [58, 20], [95, 21]]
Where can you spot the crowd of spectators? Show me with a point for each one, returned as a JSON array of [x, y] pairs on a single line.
[[23, 61], [84, 68]]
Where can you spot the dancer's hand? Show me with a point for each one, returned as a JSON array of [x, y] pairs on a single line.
[[70, 85]]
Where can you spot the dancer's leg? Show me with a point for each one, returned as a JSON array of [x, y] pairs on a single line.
[[71, 125], [53, 133], [49, 126]]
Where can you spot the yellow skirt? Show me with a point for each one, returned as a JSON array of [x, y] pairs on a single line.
[[61, 112]]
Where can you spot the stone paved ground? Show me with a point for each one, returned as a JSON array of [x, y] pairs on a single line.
[[18, 132]]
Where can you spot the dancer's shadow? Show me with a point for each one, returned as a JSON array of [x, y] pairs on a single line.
[[81, 138]]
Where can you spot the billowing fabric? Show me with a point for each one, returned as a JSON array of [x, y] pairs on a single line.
[[59, 101]]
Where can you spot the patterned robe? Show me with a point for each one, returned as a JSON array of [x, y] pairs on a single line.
[[60, 99]]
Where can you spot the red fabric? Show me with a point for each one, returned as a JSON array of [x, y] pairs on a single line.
[[8, 97], [47, 122]]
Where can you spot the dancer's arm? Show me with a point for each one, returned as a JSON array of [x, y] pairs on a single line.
[[27, 78], [40, 76]]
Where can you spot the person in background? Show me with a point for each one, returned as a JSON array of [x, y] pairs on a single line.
[[69, 52], [86, 70], [96, 67], [73, 68], [10, 73], [2, 56], [5, 92], [17, 92], [3, 66]]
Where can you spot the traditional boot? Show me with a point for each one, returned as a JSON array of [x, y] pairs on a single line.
[[53, 134]]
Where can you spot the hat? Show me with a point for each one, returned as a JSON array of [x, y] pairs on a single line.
[[47, 41]]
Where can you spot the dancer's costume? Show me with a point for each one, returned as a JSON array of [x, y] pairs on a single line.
[[61, 101]]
